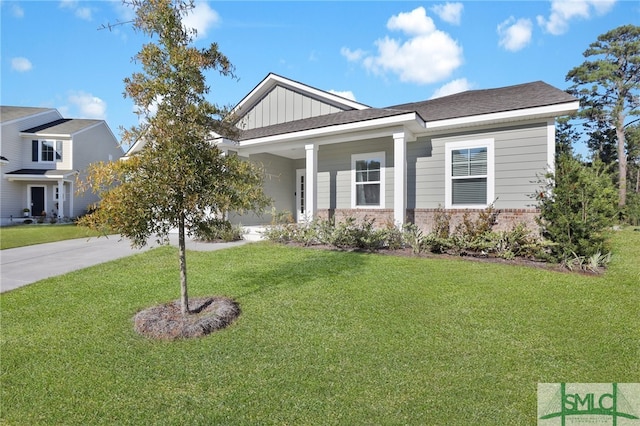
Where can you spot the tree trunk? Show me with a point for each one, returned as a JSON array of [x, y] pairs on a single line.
[[184, 298], [622, 163]]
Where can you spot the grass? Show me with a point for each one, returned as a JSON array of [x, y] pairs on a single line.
[[26, 235], [324, 338]]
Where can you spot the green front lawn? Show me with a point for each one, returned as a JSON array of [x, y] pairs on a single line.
[[324, 338], [27, 235]]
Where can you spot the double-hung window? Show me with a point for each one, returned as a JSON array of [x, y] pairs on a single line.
[[469, 174], [46, 151], [368, 180]]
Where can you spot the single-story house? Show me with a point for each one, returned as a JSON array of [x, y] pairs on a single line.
[[328, 156], [42, 155]]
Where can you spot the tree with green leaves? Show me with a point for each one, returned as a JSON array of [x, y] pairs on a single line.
[[608, 86], [577, 205], [179, 178]]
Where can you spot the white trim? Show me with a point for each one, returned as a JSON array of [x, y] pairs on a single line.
[[520, 114], [551, 145], [300, 173], [30, 201], [311, 178], [337, 129], [478, 143], [368, 156], [400, 177]]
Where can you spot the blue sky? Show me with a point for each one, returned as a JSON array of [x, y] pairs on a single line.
[[378, 53]]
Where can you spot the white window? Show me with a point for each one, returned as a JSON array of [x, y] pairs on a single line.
[[56, 196], [46, 151], [469, 168], [367, 180]]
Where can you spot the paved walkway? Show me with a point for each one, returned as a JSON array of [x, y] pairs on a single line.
[[25, 265]]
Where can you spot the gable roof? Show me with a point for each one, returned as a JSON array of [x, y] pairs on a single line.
[[10, 113], [466, 104], [488, 101], [62, 127], [273, 80]]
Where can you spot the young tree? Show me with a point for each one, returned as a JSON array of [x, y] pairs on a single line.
[[609, 88], [179, 178], [577, 205]]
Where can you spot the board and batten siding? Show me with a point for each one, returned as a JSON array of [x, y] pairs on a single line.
[[520, 158], [282, 105]]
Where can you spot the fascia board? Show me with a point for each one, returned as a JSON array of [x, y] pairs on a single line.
[[410, 120], [538, 112], [41, 178]]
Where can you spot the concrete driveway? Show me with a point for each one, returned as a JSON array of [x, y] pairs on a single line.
[[26, 265]]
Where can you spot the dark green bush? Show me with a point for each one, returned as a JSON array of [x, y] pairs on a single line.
[[578, 206]]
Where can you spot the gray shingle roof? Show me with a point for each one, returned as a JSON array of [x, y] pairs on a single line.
[[478, 102], [465, 104], [64, 126], [10, 113]]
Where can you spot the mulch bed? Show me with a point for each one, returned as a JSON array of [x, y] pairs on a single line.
[[166, 322]]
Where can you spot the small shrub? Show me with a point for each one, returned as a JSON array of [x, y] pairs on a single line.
[[281, 217], [393, 236], [218, 229], [280, 233], [413, 236]]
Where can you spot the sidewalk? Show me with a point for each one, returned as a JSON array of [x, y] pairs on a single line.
[[26, 265]]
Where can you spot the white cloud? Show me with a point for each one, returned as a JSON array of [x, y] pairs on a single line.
[[348, 94], [515, 35], [415, 22], [21, 64], [449, 12], [427, 56], [452, 87], [563, 11], [88, 106], [17, 11], [201, 18], [352, 55], [80, 12]]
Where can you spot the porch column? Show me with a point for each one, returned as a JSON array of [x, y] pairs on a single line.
[[311, 184], [60, 198], [71, 192], [399, 178]]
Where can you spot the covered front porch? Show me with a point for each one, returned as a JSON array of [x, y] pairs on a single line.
[[47, 193]]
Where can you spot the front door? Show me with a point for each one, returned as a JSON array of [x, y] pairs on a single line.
[[36, 195], [300, 194]]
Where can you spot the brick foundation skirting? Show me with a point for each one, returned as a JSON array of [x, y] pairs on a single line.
[[424, 218]]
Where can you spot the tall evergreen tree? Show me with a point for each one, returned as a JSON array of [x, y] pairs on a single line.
[[608, 85]]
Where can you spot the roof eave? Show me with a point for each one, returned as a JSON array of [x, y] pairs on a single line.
[[411, 120], [30, 177], [547, 111]]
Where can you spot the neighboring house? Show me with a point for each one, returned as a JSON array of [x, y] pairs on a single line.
[[42, 154], [327, 156]]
